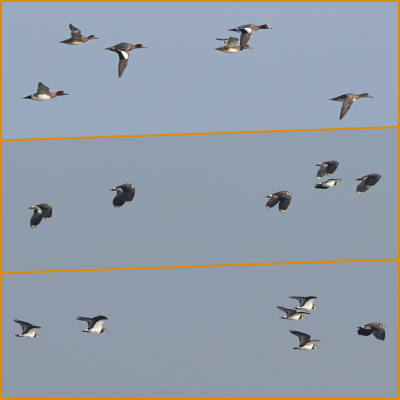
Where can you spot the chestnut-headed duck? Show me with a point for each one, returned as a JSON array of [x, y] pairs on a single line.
[[230, 45], [123, 49], [76, 37], [246, 32], [347, 100], [43, 93]]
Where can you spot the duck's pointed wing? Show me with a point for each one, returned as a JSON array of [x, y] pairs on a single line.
[[75, 32], [123, 61], [345, 107], [42, 89]]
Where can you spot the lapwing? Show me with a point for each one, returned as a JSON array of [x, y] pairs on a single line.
[[246, 31], [327, 184], [28, 330], [347, 100], [306, 303], [305, 342], [283, 198], [367, 181], [375, 328], [44, 210], [327, 167], [95, 324], [125, 193], [292, 314]]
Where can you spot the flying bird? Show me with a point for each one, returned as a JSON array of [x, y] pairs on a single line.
[[76, 37], [327, 167], [230, 45], [292, 314], [375, 328], [125, 193], [44, 210], [43, 93], [28, 330], [95, 324], [123, 49], [246, 31], [347, 100], [329, 183], [367, 181], [305, 342], [306, 303], [283, 198]]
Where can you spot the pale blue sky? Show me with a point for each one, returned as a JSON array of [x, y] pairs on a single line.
[[210, 332]]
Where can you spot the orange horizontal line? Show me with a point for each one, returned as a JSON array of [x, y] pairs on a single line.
[[199, 133], [195, 266]]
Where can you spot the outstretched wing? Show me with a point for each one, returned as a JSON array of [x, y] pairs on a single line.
[[75, 32], [303, 337]]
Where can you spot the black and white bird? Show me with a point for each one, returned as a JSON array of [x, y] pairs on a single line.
[[283, 198], [44, 210], [375, 328], [125, 193], [367, 181], [95, 324], [327, 167], [306, 303], [305, 342], [327, 184], [347, 100], [292, 314], [28, 330]]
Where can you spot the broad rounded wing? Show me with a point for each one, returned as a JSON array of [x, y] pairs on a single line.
[[36, 218], [284, 203], [379, 333], [272, 203], [364, 332], [322, 171], [362, 187], [118, 200], [332, 167], [47, 211]]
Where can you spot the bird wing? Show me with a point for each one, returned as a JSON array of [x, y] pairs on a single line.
[[300, 299], [88, 320], [364, 332], [271, 203], [42, 89], [123, 61], [322, 171], [128, 195], [284, 203], [75, 32], [286, 310], [231, 42], [36, 218], [118, 200], [332, 167], [346, 106], [97, 322], [378, 332], [47, 211], [245, 37], [362, 187], [303, 337]]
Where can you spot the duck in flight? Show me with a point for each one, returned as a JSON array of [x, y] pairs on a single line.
[[347, 100], [123, 49], [76, 37], [246, 31], [43, 93]]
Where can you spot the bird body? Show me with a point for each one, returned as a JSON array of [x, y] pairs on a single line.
[[305, 342], [29, 331], [43, 93], [329, 183], [125, 193], [367, 181], [230, 45], [375, 328], [44, 210], [123, 49], [347, 100], [76, 37], [95, 324], [283, 198], [246, 31], [306, 303], [291, 314], [327, 167]]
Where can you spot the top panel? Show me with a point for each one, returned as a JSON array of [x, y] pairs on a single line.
[[180, 83]]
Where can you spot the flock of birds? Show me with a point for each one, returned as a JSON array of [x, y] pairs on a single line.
[[326, 168], [306, 304], [95, 324], [230, 46], [126, 193]]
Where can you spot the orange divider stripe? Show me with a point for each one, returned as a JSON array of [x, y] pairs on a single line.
[[196, 266], [199, 133]]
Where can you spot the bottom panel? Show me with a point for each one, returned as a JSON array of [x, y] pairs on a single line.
[[209, 332]]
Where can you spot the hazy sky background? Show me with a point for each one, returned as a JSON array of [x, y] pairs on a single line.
[[199, 200], [181, 84], [209, 332], [206, 332]]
